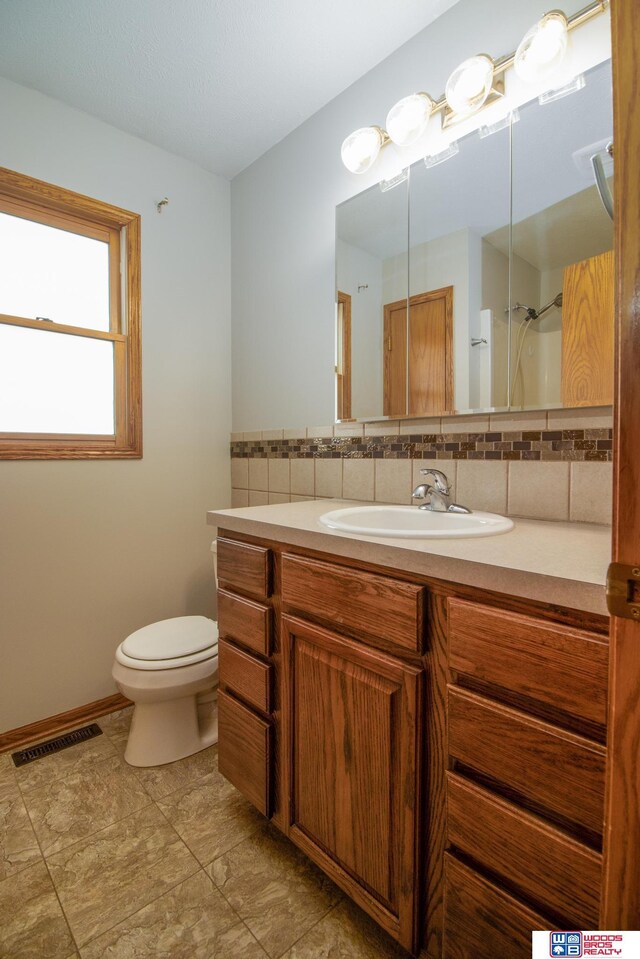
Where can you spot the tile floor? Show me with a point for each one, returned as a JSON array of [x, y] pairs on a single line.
[[99, 860]]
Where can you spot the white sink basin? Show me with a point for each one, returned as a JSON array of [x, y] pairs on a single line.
[[410, 522]]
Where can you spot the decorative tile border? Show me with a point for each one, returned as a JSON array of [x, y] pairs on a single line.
[[586, 445]]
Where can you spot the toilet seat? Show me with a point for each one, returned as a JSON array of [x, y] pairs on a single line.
[[170, 643]]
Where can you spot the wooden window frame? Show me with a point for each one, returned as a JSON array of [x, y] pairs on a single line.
[[54, 206]]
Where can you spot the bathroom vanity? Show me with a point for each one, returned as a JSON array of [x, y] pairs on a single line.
[[426, 721]]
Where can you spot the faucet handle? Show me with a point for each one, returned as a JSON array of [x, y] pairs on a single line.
[[442, 483]]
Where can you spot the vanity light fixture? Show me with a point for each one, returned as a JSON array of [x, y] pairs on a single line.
[[469, 86], [543, 48], [361, 148], [474, 84], [408, 118]]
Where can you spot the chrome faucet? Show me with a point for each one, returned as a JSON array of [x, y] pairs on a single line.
[[439, 500]]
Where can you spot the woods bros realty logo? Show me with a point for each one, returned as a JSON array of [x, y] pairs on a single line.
[[558, 945], [565, 944]]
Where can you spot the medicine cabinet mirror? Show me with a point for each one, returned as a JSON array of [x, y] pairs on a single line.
[[484, 282]]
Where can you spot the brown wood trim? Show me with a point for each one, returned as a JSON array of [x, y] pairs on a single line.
[[49, 327], [56, 203], [50, 216], [133, 319], [66, 439], [46, 728], [344, 378], [387, 343], [21, 187], [94, 451], [620, 907]]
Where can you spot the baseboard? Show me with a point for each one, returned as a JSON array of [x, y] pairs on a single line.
[[47, 728]]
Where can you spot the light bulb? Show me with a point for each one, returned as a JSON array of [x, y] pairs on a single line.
[[469, 85], [361, 148], [543, 47], [406, 121]]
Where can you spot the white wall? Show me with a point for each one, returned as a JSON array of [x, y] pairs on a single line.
[[357, 268], [93, 550], [283, 219]]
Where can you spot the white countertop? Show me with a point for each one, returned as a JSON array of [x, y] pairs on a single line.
[[558, 563]]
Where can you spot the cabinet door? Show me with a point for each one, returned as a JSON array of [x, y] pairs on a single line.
[[352, 740], [588, 319]]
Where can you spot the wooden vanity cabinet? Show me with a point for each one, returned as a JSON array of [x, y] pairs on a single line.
[[245, 700], [525, 789], [352, 738], [351, 731], [437, 751]]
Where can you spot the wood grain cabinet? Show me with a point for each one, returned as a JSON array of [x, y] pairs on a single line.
[[437, 751], [245, 697], [352, 741], [525, 794], [588, 321]]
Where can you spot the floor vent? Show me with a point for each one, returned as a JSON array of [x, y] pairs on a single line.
[[24, 756]]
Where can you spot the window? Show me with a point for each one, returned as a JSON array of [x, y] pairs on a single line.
[[70, 360]]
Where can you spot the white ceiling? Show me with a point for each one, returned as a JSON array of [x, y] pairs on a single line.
[[217, 81]]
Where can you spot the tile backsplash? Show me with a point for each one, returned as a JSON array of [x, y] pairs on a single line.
[[552, 465]]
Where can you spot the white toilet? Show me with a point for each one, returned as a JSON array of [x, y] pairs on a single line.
[[169, 670]]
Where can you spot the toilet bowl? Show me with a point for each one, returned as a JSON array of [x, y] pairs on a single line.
[[168, 670]]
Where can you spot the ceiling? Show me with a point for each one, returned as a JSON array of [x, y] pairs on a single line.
[[216, 81]]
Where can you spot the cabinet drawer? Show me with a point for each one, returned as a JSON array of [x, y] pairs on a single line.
[[244, 751], [555, 665], [482, 921], [366, 602], [245, 567], [244, 622], [559, 771], [546, 865], [245, 675]]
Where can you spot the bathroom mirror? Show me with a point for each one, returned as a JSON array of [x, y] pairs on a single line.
[[484, 282], [371, 234], [562, 306], [454, 270]]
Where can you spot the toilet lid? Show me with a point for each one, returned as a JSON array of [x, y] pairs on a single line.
[[171, 639]]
